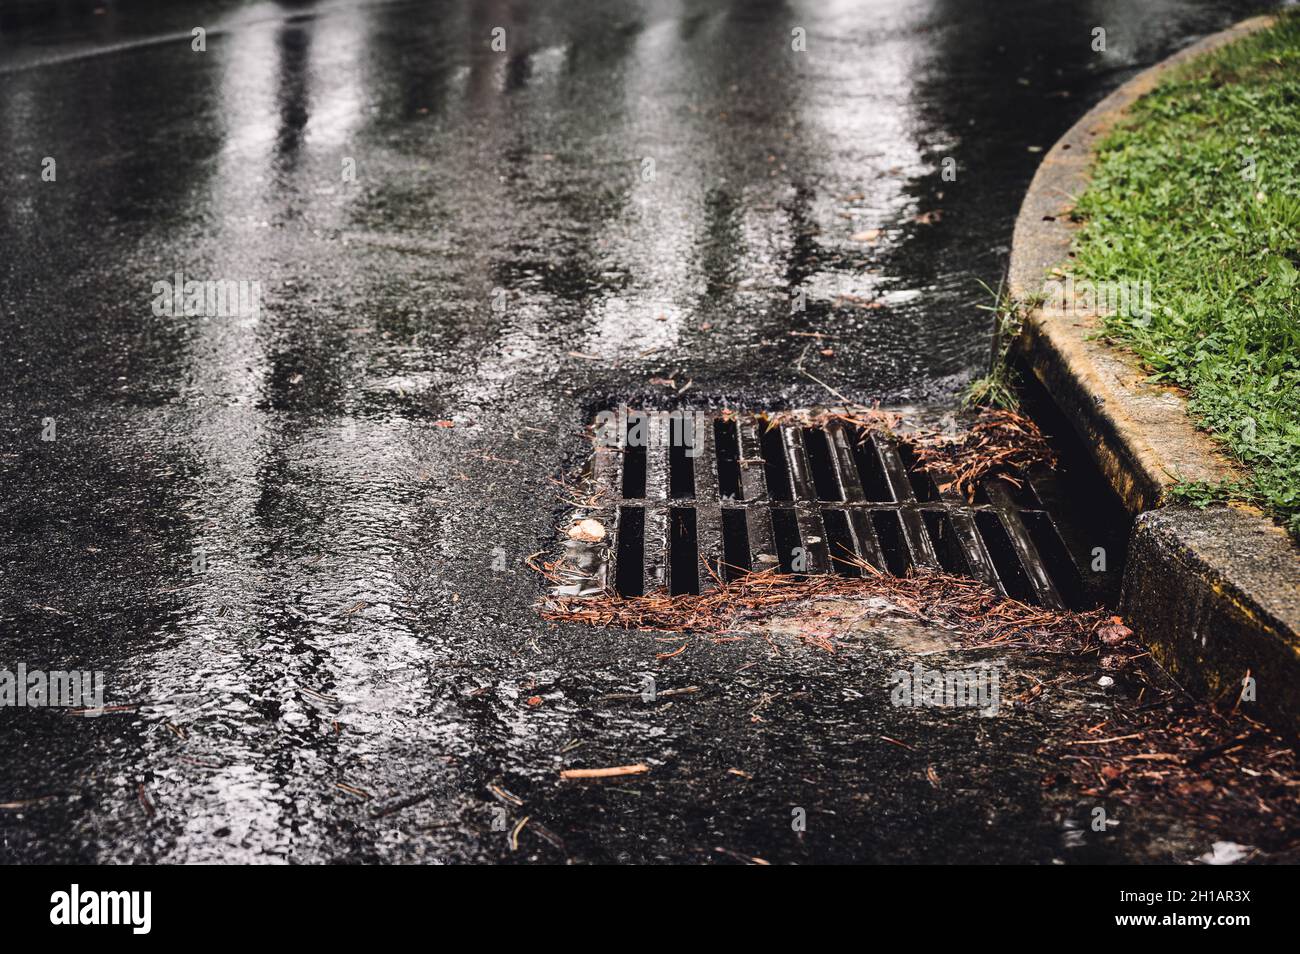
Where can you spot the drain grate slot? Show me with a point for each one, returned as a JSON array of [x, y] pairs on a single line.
[[683, 573], [695, 499], [727, 441], [1060, 567], [777, 470], [785, 533], [1010, 572], [634, 464], [735, 543], [923, 487], [947, 547], [826, 481], [872, 472], [629, 566], [681, 473], [683, 452], [885, 523], [839, 538]]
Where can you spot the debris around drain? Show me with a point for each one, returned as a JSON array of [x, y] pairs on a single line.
[[1113, 632], [615, 771], [999, 443], [1221, 771], [588, 531], [681, 500], [983, 616]]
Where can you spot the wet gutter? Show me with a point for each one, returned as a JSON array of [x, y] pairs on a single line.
[[1215, 593]]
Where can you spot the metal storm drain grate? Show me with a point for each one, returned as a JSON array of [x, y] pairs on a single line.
[[683, 499]]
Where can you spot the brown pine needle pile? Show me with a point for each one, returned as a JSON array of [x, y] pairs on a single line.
[[976, 610], [999, 444], [1222, 771]]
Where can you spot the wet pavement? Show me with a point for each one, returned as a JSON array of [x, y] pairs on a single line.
[[296, 539]]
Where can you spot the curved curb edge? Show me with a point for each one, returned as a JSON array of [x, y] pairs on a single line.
[[1215, 593]]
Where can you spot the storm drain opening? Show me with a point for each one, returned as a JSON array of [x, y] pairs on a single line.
[[735, 544], [628, 578], [683, 576], [727, 441], [839, 538], [885, 525], [694, 499], [785, 533]]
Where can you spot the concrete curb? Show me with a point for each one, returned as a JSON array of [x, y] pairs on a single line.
[[1214, 593]]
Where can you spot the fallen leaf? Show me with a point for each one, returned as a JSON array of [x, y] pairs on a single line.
[[1114, 632]]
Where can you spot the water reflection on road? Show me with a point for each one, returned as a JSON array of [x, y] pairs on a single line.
[[276, 533]]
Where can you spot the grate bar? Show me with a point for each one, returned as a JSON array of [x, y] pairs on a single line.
[[655, 539], [812, 531], [708, 511], [920, 550], [846, 469], [812, 537], [708, 535], [656, 458], [753, 474], [655, 550], [753, 482], [704, 446], [1044, 591], [607, 466], [978, 562], [864, 537], [587, 563], [796, 458], [891, 466]]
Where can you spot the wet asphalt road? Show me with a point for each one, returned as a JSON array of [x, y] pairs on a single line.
[[505, 262]]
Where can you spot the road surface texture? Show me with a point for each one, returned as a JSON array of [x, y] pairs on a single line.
[[280, 533]]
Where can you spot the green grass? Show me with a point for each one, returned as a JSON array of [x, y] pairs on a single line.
[[998, 388], [1170, 203]]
